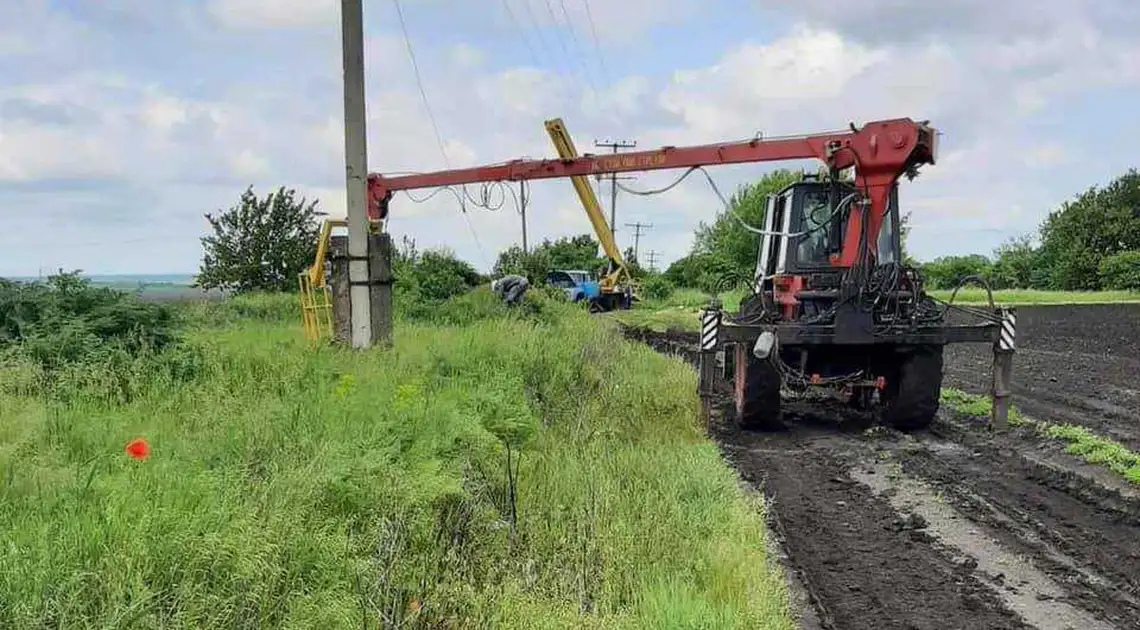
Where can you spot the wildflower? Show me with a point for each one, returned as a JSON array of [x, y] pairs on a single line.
[[138, 449]]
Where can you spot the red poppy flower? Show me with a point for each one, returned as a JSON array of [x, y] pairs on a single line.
[[138, 449]]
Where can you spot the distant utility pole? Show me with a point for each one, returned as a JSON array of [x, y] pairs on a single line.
[[652, 256], [637, 228], [522, 211], [615, 145], [370, 289]]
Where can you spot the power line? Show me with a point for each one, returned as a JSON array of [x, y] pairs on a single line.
[[597, 42], [521, 31], [420, 82], [537, 30], [554, 21], [431, 119], [578, 54]]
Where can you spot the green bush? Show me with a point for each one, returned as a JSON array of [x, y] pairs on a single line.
[[1121, 271], [66, 320], [656, 287], [432, 276], [482, 304], [260, 307], [948, 271]]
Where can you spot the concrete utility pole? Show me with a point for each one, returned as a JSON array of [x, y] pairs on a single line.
[[522, 210], [369, 271], [615, 145], [637, 228]]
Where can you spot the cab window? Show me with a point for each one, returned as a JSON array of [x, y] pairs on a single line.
[[815, 215], [560, 279]]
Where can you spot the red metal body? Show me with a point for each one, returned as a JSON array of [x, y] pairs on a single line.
[[880, 151]]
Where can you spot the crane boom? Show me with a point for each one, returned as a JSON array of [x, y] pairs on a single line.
[[564, 145], [880, 151]]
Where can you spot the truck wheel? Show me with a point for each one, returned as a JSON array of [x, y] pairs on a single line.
[[912, 397], [758, 396]]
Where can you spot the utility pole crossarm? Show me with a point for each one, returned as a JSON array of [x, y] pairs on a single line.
[[637, 232]]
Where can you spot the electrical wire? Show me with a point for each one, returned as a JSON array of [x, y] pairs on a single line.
[[537, 30], [554, 20], [521, 32], [597, 42], [578, 51], [420, 82], [731, 210], [432, 119]]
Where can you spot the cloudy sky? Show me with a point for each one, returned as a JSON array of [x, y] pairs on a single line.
[[123, 121]]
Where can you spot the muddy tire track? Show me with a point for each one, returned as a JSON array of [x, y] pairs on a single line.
[[865, 565], [954, 527]]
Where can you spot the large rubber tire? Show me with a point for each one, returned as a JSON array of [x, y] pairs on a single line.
[[759, 407], [912, 397]]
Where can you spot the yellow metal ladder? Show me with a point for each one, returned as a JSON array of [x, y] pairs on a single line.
[[316, 297]]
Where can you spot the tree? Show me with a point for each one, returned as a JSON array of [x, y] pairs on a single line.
[[1016, 265], [426, 278], [533, 265], [1121, 271], [904, 232], [259, 244], [1098, 223], [725, 237], [574, 252], [724, 251], [569, 252], [636, 271], [946, 272]]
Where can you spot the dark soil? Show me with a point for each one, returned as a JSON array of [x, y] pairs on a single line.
[[1020, 535], [863, 563], [1074, 364]]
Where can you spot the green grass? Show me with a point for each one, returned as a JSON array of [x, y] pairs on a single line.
[[313, 487], [682, 309], [1030, 297], [1078, 440]]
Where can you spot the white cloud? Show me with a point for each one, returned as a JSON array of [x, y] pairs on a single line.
[[31, 154], [249, 165], [192, 149], [275, 13], [163, 113]]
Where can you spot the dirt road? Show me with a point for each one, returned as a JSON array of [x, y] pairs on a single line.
[[952, 527]]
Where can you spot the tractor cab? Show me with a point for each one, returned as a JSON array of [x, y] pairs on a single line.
[[804, 228]]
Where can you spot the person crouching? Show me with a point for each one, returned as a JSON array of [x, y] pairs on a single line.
[[510, 288]]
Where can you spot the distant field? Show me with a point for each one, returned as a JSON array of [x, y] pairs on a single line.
[[151, 288], [1018, 297]]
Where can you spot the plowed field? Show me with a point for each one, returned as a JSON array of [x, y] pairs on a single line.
[[956, 527]]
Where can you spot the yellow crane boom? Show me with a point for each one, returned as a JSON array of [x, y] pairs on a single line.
[[618, 274]]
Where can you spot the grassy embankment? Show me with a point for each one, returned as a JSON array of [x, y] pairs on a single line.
[[292, 486]]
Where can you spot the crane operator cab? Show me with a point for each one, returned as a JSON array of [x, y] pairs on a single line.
[[804, 228]]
